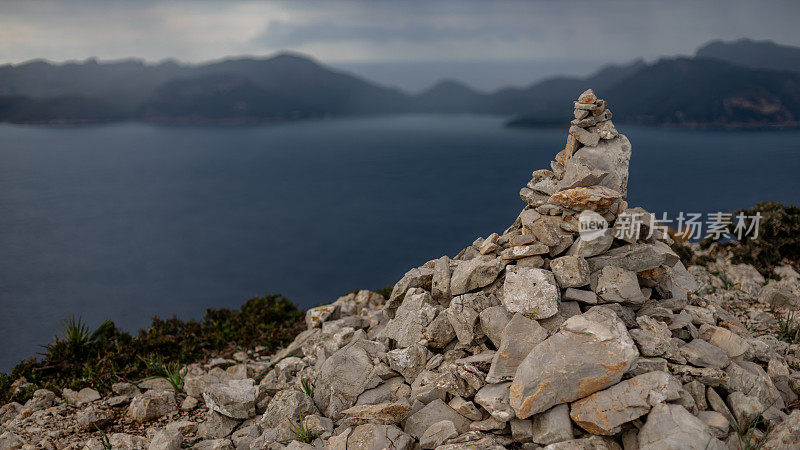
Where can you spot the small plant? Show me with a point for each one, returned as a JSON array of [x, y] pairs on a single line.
[[308, 385], [105, 441], [788, 329], [301, 432], [175, 375], [748, 435], [172, 372]]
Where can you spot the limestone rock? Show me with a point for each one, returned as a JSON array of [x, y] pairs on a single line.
[[703, 354], [570, 271], [166, 440], [437, 434], [235, 398], [493, 321], [385, 413], [589, 353], [673, 427], [344, 376], [531, 291], [551, 426], [463, 314], [93, 418], [411, 318], [605, 411], [494, 398], [152, 405], [616, 285], [519, 337], [594, 198], [474, 274], [434, 412]]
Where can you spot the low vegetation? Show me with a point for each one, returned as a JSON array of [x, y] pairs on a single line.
[[777, 242], [79, 358]]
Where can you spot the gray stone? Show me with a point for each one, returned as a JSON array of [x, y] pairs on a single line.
[[611, 157], [437, 434], [392, 389], [93, 418], [519, 337], [749, 378], [411, 318], [605, 411], [589, 353], [475, 274], [645, 365], [586, 443], [785, 435], [494, 398], [580, 295], [440, 283], [744, 408], [592, 247], [778, 297], [408, 362], [551, 426], [578, 172], [378, 437], [584, 136], [426, 387], [493, 321], [216, 426], [440, 331], [703, 354], [524, 251], [384, 413], [420, 277], [345, 375], [152, 405], [11, 441], [671, 427], [41, 399], [235, 398], [84, 396], [316, 316], [716, 423], [166, 440], [616, 285], [570, 271], [466, 408], [489, 244], [633, 257], [531, 291], [214, 444], [434, 412], [652, 337], [463, 314], [9, 411], [734, 345]]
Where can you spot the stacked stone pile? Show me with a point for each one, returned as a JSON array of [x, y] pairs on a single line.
[[545, 336]]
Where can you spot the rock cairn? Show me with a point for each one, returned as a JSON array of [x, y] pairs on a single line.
[[542, 337]]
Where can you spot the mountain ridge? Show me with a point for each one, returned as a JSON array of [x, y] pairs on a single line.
[[288, 86]]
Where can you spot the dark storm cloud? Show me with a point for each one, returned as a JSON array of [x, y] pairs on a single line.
[[343, 32]]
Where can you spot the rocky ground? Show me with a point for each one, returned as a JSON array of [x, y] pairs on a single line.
[[538, 337]]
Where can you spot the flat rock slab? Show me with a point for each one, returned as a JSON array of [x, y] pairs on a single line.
[[603, 412], [475, 274], [590, 352], [633, 257]]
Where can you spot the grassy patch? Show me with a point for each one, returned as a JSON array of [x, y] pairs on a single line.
[[78, 358]]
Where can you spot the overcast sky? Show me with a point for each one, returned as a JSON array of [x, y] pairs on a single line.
[[383, 38]]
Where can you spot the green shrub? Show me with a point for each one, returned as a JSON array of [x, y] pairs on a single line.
[[78, 359]]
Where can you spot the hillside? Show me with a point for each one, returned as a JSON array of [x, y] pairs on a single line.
[[739, 84]]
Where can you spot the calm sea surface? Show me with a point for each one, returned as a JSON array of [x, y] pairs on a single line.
[[129, 221]]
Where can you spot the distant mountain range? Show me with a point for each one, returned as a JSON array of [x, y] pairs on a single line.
[[734, 84]]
